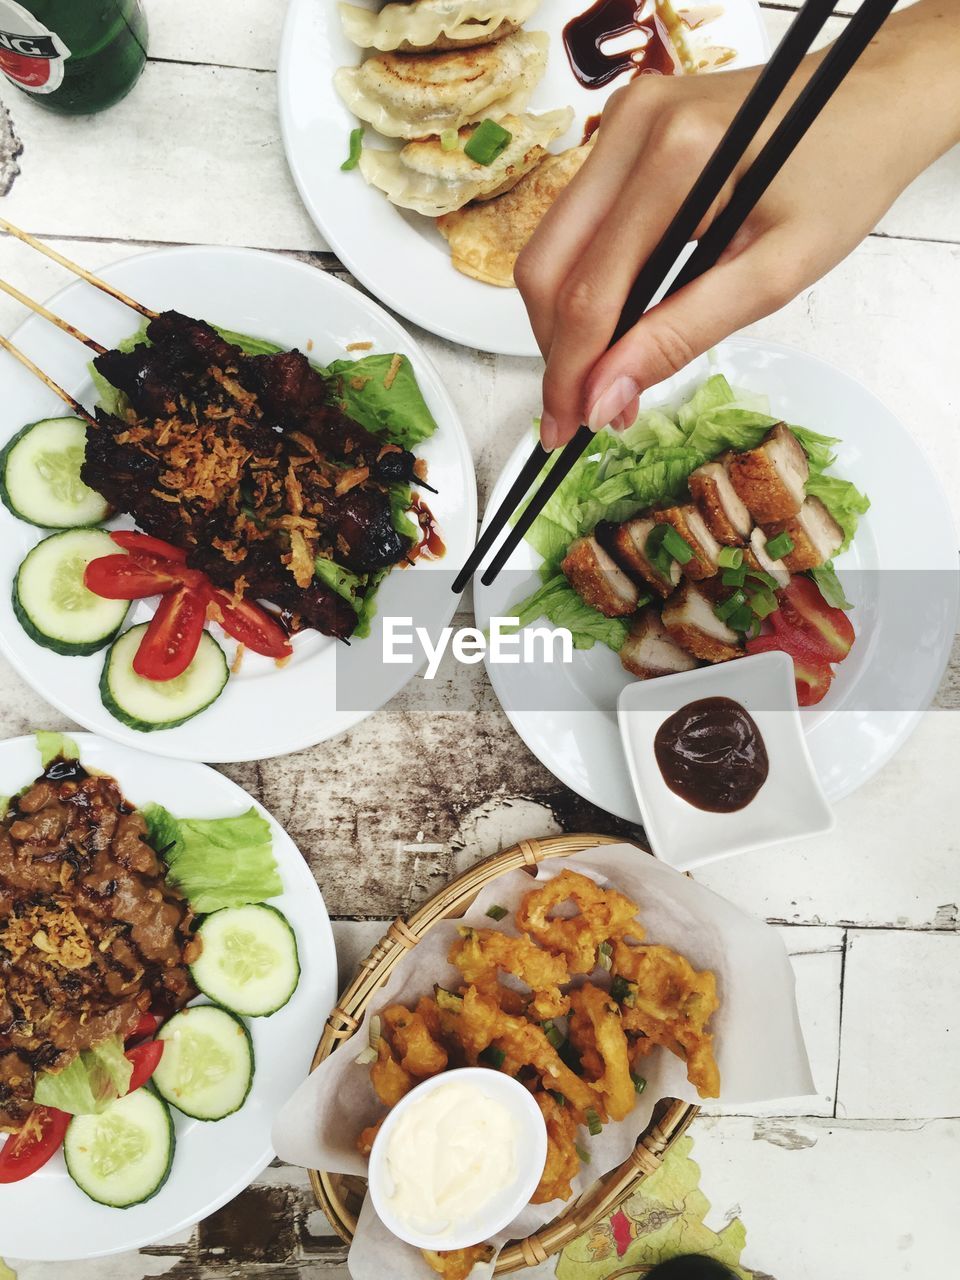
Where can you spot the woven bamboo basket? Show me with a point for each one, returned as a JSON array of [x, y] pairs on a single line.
[[341, 1195]]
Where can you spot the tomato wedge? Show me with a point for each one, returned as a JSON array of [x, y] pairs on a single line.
[[144, 1058], [145, 544], [173, 635], [812, 674], [252, 626], [29, 1149], [148, 1025], [131, 577], [828, 630]]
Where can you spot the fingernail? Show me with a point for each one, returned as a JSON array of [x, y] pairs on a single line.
[[548, 431], [612, 402], [627, 418]]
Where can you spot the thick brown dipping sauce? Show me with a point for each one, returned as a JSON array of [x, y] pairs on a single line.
[[712, 755]]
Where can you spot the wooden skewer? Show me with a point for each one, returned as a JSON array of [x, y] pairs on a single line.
[[61, 324], [65, 396], [77, 270]]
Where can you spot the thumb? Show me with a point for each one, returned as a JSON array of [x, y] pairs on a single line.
[[740, 289]]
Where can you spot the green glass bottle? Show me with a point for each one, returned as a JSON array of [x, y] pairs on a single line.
[[73, 56]]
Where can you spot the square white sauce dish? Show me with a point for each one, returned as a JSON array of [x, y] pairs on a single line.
[[730, 738]]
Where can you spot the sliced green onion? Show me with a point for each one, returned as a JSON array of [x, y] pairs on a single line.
[[763, 602], [754, 629], [725, 608], [370, 1054], [353, 159], [656, 551], [734, 577], [558, 1098], [678, 547], [730, 557], [639, 1083], [492, 1057], [367, 1057], [497, 913], [623, 991], [768, 580], [582, 1152], [553, 1034], [449, 139], [779, 546], [487, 141], [594, 1123], [605, 956], [742, 619]]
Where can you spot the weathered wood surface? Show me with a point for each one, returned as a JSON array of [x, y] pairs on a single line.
[[859, 1183]]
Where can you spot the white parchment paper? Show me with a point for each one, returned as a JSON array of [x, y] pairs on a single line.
[[757, 1039]]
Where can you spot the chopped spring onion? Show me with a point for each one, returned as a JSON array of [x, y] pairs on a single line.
[[726, 608], [449, 139], [553, 1034], [492, 1057], [734, 577], [558, 1098], [656, 551], [779, 546], [768, 580], [730, 557], [623, 991], [487, 141], [763, 602], [582, 1152], [742, 619], [594, 1123], [366, 1058], [353, 159], [370, 1054], [639, 1083], [678, 547], [497, 913], [605, 956]]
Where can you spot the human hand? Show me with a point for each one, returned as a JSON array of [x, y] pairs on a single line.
[[655, 137]]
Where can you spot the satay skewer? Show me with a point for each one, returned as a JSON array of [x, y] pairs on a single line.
[[64, 325], [77, 270], [65, 396]]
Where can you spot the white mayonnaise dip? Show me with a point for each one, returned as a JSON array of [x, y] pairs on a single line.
[[450, 1153]]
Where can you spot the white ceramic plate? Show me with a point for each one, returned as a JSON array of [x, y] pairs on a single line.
[[905, 617], [46, 1217], [398, 255], [264, 711]]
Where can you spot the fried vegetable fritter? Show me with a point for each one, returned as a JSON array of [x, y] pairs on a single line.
[[603, 914]]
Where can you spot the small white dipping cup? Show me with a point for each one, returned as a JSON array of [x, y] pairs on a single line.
[[502, 1208]]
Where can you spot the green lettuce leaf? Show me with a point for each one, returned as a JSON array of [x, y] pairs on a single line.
[[93, 1080], [842, 499], [216, 862], [398, 412], [4, 806], [50, 745], [710, 395], [825, 576], [728, 427], [817, 447], [557, 601]]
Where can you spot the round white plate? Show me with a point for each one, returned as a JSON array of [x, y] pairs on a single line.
[[264, 710], [46, 1217], [905, 617], [399, 255]]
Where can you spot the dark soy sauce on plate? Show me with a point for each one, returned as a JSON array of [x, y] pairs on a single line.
[[605, 20], [712, 755]]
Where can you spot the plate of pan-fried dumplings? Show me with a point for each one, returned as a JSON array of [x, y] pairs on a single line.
[[459, 122]]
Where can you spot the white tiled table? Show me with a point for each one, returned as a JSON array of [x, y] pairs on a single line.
[[862, 1184]]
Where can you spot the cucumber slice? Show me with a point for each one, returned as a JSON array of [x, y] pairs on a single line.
[[40, 476], [249, 961], [207, 1065], [122, 1156], [160, 704], [51, 602]]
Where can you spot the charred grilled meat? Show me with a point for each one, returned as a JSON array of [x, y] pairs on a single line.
[[250, 464], [91, 936]]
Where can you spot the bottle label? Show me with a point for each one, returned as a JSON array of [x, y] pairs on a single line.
[[30, 55]]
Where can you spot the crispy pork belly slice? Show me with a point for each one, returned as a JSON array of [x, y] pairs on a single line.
[[628, 544], [769, 479], [816, 536], [692, 528], [689, 618], [650, 651], [598, 579], [726, 516], [756, 556]]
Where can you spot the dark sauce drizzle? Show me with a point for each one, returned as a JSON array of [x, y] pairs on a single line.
[[584, 35]]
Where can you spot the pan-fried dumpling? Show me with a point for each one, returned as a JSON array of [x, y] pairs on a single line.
[[415, 95], [434, 24], [485, 239], [424, 177]]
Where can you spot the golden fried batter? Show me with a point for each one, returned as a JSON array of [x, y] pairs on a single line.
[[603, 914], [671, 1003], [456, 1264], [481, 954], [367, 1138], [563, 1163], [418, 1051], [595, 1022], [389, 1080]]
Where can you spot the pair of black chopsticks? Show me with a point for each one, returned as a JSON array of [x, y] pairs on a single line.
[[730, 151]]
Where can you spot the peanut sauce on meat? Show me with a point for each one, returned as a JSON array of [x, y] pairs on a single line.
[[91, 935]]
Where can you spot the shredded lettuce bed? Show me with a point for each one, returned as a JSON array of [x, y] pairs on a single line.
[[398, 413], [621, 474]]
